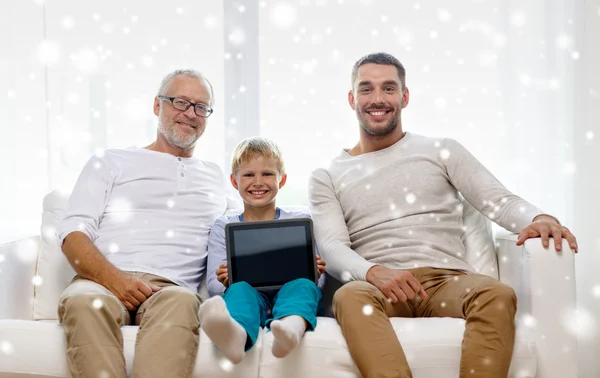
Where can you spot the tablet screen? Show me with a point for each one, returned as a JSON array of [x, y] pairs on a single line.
[[269, 255]]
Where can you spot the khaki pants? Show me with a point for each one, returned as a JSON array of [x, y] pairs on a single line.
[[488, 306], [167, 340]]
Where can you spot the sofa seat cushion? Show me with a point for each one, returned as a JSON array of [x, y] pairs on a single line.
[[432, 347], [38, 349]]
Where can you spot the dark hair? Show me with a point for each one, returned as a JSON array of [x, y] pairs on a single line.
[[380, 58]]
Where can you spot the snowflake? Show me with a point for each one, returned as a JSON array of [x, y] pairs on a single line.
[[170, 234], [367, 310], [518, 18], [444, 15], [97, 303], [440, 103], [225, 364], [283, 15], [6, 347], [589, 135], [410, 198], [113, 248], [529, 321], [48, 52], [309, 67], [580, 322], [210, 22], [575, 55], [147, 61], [563, 41], [85, 60], [67, 23], [569, 168], [37, 280], [445, 155], [346, 276], [237, 37]]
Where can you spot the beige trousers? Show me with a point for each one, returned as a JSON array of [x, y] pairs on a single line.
[[167, 340], [488, 306]]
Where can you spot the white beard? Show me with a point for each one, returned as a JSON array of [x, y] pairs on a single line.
[[177, 139]]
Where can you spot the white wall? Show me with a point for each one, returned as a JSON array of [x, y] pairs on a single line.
[[586, 208]]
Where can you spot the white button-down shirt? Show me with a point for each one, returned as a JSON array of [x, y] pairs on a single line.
[[148, 211]]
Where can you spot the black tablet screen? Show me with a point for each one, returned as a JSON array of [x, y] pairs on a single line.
[[271, 256]]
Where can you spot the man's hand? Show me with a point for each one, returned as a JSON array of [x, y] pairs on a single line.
[[131, 291], [397, 285], [223, 275], [320, 265], [544, 226]]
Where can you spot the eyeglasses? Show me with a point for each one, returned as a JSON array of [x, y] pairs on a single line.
[[183, 105]]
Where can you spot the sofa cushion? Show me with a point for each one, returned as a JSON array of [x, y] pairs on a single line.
[[53, 269], [44, 343], [432, 347]]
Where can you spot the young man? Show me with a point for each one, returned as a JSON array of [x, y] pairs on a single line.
[[232, 321], [135, 231], [387, 217]]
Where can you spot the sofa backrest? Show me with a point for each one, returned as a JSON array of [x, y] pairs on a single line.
[[55, 273]]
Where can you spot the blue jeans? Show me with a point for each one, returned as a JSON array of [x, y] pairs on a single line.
[[250, 307]]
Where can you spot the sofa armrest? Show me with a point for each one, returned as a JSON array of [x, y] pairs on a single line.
[[544, 281], [18, 262]]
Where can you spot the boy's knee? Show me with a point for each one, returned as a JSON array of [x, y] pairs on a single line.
[[242, 285], [302, 282]]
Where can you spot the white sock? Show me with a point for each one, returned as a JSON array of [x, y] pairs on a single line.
[[227, 334], [286, 334]]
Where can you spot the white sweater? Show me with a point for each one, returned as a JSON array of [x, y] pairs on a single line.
[[148, 211], [399, 207]]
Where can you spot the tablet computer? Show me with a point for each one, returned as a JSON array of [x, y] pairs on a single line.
[[268, 254]]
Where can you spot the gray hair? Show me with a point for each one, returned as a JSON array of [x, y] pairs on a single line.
[[380, 58], [164, 85]]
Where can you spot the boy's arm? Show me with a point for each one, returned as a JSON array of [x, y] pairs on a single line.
[[217, 255], [331, 232]]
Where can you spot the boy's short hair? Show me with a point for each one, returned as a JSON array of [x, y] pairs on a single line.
[[257, 146]]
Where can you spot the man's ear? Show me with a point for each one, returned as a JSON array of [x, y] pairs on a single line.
[[351, 100], [282, 181], [233, 181], [405, 98], [156, 106]]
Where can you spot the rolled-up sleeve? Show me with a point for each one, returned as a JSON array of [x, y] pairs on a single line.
[[217, 255], [88, 199]]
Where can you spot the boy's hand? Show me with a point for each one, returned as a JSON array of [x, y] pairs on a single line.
[[320, 265], [223, 275]]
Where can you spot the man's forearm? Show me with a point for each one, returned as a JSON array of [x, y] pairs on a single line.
[[86, 258]]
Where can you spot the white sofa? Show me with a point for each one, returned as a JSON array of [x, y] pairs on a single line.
[[33, 272]]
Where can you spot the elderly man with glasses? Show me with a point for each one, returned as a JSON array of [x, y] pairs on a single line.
[[135, 231]]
